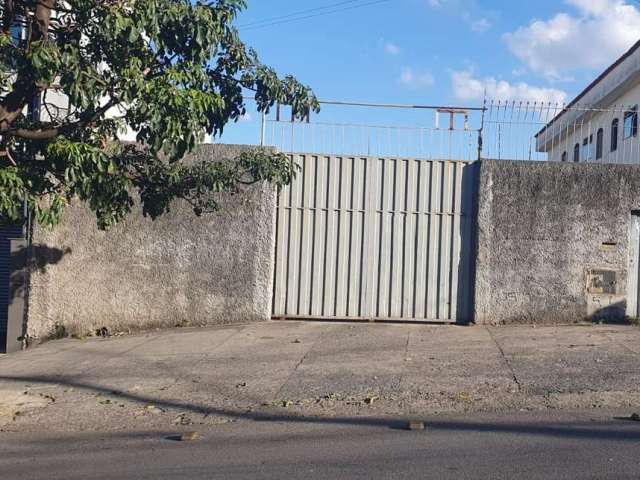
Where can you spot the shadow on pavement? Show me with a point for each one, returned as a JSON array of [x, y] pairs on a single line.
[[604, 431]]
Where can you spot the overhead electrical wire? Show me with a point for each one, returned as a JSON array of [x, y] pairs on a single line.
[[295, 14], [257, 25]]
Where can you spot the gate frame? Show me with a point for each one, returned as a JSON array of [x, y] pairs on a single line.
[[460, 298]]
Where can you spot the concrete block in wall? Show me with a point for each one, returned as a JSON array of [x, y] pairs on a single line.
[[180, 270], [545, 230]]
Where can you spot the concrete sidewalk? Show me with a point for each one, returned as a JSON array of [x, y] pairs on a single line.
[[213, 376]]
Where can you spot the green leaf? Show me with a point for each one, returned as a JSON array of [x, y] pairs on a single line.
[[177, 72]]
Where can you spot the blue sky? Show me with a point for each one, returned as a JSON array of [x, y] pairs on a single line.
[[443, 52]]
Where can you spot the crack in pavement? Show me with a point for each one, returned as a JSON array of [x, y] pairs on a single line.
[[295, 368], [617, 342], [406, 356], [504, 358], [406, 346]]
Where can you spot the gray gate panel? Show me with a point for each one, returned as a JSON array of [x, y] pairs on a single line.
[[375, 238], [320, 234]]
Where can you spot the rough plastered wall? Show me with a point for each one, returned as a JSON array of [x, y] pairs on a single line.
[[546, 230], [177, 270]]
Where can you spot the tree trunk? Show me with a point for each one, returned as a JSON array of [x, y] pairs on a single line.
[[7, 20], [24, 88]]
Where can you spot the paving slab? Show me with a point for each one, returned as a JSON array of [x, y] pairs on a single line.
[[226, 374], [556, 360]]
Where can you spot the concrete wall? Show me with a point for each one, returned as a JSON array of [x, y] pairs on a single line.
[[547, 234], [542, 228], [178, 270]]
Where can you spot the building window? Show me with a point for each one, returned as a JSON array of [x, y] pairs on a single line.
[[599, 142], [614, 135], [631, 123], [587, 149], [564, 157], [576, 153]]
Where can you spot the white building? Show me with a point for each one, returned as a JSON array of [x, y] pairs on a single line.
[[600, 124], [52, 104]]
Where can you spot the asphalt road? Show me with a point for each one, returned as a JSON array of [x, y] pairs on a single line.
[[516, 446]]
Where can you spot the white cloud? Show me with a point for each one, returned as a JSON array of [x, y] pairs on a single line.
[[246, 118], [593, 7], [414, 79], [468, 88], [597, 33], [481, 25], [391, 48], [467, 10]]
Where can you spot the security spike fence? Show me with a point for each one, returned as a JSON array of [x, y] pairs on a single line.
[[556, 132], [498, 129], [409, 131]]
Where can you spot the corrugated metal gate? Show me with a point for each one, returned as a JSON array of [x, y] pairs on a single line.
[[375, 238]]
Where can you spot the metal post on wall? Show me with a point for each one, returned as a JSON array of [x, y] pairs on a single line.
[[480, 132], [263, 129]]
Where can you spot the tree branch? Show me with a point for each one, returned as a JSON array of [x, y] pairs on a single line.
[[7, 154], [15, 101], [53, 131], [43, 16], [24, 87], [7, 20]]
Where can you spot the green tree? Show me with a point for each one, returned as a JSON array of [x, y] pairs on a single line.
[[172, 70]]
